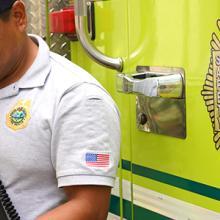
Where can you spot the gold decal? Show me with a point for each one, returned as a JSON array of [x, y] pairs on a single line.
[[19, 116], [211, 88]]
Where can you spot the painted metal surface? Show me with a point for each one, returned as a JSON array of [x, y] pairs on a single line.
[[161, 33], [160, 206], [176, 33]]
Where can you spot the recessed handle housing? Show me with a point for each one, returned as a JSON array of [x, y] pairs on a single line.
[[160, 101]]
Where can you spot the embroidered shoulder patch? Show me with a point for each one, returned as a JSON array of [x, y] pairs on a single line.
[[97, 159], [211, 88], [19, 116]]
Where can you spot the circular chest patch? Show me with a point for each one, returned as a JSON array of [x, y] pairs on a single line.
[[19, 116]]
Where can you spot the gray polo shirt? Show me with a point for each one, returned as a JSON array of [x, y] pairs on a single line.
[[59, 127]]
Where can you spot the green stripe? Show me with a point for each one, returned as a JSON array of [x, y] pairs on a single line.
[[179, 182], [139, 212], [115, 205]]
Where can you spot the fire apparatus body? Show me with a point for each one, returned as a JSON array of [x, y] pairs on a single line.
[[160, 61]]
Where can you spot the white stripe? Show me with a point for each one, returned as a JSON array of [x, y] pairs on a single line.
[[114, 217], [126, 189], [116, 192], [165, 205], [171, 207]]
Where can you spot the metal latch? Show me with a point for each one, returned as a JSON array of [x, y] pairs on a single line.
[[160, 99]]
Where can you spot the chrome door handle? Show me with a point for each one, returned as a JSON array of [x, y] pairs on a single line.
[[80, 21], [152, 84], [160, 100]]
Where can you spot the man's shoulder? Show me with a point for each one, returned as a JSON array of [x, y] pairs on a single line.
[[66, 76], [65, 69]]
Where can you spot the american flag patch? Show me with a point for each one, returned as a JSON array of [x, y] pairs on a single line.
[[97, 159]]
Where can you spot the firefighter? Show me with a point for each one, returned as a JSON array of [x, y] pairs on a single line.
[[60, 132]]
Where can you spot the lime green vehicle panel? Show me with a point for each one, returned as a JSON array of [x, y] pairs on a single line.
[[176, 34], [171, 33]]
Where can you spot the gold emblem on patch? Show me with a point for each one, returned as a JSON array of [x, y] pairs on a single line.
[[211, 88], [19, 116]]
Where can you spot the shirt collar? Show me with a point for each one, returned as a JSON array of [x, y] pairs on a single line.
[[37, 73]]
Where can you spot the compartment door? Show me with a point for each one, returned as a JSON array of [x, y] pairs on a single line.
[[174, 177]]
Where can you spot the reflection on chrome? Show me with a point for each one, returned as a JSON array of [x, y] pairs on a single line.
[[160, 101]]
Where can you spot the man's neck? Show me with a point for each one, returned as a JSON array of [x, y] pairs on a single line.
[[23, 63]]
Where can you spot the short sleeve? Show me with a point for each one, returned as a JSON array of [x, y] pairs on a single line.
[[86, 137]]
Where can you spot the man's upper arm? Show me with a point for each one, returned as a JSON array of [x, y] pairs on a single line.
[[86, 138], [93, 200], [84, 202]]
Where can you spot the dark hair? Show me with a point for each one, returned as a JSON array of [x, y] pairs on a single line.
[[5, 9], [4, 16]]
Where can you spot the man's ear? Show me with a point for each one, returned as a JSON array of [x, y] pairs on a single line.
[[18, 14]]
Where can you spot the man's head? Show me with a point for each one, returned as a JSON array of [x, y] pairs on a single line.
[[13, 37]]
